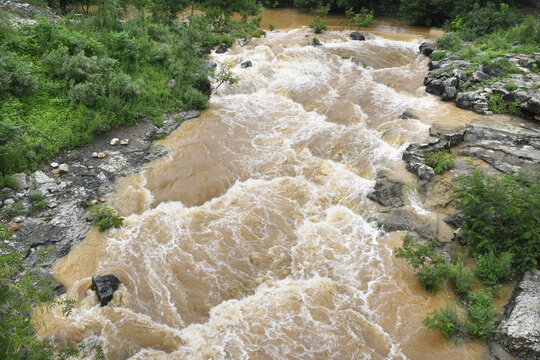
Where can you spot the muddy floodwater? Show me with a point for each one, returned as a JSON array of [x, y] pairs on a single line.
[[254, 238]]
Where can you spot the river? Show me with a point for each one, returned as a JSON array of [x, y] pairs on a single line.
[[254, 238]]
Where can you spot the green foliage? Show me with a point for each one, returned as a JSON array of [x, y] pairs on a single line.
[[271, 27], [439, 161], [318, 25], [316, 41], [225, 75], [363, 18], [9, 181], [16, 75], [495, 102], [21, 293], [449, 41], [461, 278], [510, 86], [194, 99], [501, 215], [481, 314], [14, 209], [492, 268], [482, 20], [427, 12], [105, 218], [438, 55], [446, 320], [431, 267]]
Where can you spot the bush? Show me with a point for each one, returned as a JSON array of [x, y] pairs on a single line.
[[501, 215], [439, 161], [487, 19], [480, 315], [446, 320], [461, 278], [492, 268], [9, 181], [510, 86], [16, 75], [105, 217], [193, 99], [432, 269], [450, 42], [438, 55], [318, 25]]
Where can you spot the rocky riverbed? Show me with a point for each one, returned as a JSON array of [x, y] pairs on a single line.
[[471, 86], [74, 180]]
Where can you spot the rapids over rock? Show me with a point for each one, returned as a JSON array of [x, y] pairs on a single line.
[[255, 237]]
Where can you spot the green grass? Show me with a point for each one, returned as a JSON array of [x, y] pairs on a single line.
[[439, 161]]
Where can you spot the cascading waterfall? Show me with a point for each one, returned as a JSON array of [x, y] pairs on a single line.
[[254, 238]]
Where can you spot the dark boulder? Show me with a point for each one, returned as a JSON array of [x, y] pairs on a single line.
[[358, 36], [105, 286], [426, 48], [246, 64], [222, 49], [206, 50], [388, 192]]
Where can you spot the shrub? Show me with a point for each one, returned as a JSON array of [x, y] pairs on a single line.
[[318, 25], [449, 41], [495, 102], [461, 278], [16, 75], [14, 210], [10, 181], [361, 19], [271, 27], [492, 268], [432, 269], [446, 320], [510, 86], [193, 99], [105, 217], [438, 55], [439, 161], [36, 196], [501, 215], [487, 19], [480, 314]]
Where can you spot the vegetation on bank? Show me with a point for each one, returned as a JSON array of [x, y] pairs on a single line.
[[501, 234], [62, 83]]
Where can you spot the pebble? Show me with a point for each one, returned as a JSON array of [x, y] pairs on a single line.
[[90, 167], [8, 202], [95, 154], [14, 227], [55, 171], [115, 141], [102, 155], [94, 202], [18, 219], [63, 168], [54, 165], [124, 142], [102, 199]]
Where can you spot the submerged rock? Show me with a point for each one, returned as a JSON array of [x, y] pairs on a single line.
[[246, 64], [105, 286], [520, 329], [222, 49], [358, 36]]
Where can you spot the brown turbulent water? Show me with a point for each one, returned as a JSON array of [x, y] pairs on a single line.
[[253, 239]]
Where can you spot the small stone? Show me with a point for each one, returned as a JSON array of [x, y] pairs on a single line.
[[170, 84], [55, 171], [22, 182], [52, 205], [54, 165], [124, 142], [9, 202], [94, 202], [102, 199], [115, 141], [63, 168], [90, 167], [95, 154], [18, 219], [14, 227], [537, 117], [102, 155]]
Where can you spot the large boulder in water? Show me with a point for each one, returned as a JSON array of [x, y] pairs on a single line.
[[426, 48], [388, 191], [356, 35], [105, 286], [246, 64]]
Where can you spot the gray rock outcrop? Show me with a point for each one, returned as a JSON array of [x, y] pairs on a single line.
[[356, 35], [520, 329]]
